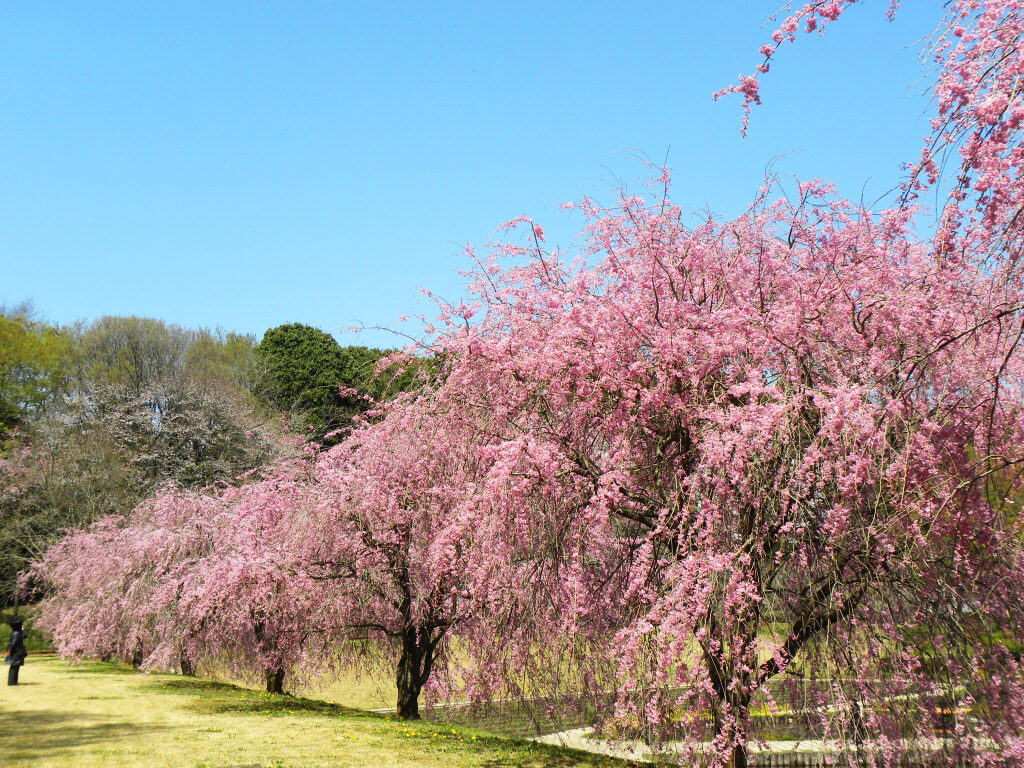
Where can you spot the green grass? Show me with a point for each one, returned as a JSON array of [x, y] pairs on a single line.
[[94, 714]]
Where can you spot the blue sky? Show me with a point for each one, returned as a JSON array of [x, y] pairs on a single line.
[[250, 164]]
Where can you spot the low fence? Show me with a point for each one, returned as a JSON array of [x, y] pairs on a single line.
[[787, 760], [917, 758]]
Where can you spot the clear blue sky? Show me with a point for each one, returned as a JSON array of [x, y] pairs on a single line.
[[250, 164]]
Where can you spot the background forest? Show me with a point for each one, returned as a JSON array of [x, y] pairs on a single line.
[[97, 416]]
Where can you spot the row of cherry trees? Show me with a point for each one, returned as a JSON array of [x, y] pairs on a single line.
[[340, 557], [690, 474]]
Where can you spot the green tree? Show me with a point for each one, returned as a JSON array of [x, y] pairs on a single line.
[[129, 353], [33, 362], [226, 358], [303, 372]]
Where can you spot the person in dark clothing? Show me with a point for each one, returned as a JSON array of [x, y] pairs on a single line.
[[16, 652]]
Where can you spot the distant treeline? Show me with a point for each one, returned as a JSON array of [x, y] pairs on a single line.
[[96, 416]]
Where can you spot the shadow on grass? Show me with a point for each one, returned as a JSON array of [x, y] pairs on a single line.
[[498, 751], [29, 736], [549, 756], [93, 668], [216, 697]]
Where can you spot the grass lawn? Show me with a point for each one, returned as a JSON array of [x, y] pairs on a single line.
[[96, 714]]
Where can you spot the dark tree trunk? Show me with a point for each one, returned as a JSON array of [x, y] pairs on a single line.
[[408, 703], [727, 700], [739, 758], [407, 680], [137, 658], [413, 672], [274, 676], [187, 667], [275, 680]]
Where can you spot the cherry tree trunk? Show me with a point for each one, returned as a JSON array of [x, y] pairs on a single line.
[[728, 701], [409, 676], [408, 690], [275, 680]]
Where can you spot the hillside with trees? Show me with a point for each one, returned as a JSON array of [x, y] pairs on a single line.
[[98, 416]]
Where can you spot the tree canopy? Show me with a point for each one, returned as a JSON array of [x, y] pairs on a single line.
[[305, 372]]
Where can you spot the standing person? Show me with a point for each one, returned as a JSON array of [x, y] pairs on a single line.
[[15, 652]]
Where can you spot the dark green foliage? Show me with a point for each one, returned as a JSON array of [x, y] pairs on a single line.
[[304, 371]]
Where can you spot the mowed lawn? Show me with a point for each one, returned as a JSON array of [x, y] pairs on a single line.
[[91, 715]]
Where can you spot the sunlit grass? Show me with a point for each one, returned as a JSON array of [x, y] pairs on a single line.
[[93, 715]]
